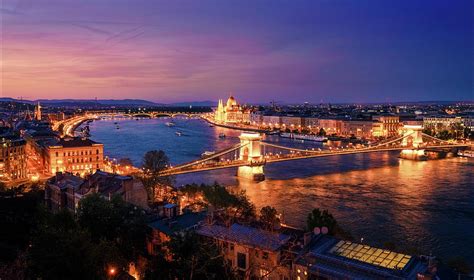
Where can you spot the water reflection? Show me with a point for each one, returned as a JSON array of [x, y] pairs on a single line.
[[425, 205]]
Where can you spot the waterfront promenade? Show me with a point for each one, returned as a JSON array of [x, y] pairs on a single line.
[[210, 119]]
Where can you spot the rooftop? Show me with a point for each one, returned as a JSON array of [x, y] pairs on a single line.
[[331, 257], [179, 223], [63, 180], [106, 183], [367, 254], [250, 236], [70, 142]]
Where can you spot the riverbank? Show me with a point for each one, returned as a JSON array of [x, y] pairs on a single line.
[[71, 125], [236, 127]]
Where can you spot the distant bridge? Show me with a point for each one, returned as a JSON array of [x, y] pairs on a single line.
[[252, 154], [68, 126], [148, 114]]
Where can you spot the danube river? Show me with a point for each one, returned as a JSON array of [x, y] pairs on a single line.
[[425, 206]]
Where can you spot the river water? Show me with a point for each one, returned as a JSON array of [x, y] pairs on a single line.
[[428, 206]]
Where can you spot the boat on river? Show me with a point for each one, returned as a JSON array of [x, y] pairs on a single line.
[[207, 154], [178, 133], [170, 124], [466, 153]]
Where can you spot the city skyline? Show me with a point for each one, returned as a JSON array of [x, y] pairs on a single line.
[[172, 52]]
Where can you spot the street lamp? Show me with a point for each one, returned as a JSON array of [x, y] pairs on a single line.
[[111, 272]]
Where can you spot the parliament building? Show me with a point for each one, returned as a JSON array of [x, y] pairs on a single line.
[[231, 112]]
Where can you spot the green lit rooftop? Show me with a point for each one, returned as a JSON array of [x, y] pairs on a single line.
[[370, 255]]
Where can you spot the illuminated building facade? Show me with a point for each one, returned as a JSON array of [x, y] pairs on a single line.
[[312, 123], [12, 158], [438, 124], [55, 117], [358, 128], [65, 190], [76, 155], [291, 122], [231, 112], [386, 126], [331, 126], [272, 121], [253, 253]]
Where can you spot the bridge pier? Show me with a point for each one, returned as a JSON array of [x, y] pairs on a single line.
[[254, 173], [251, 153]]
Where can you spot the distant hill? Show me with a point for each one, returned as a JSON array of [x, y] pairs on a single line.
[[117, 102], [194, 104], [9, 99], [108, 102]]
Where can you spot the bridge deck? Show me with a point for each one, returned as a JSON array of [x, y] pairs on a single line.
[[298, 156]]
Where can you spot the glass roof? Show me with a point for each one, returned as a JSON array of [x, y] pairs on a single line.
[[367, 254]]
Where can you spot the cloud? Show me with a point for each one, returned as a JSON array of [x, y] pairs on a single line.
[[92, 29], [10, 11]]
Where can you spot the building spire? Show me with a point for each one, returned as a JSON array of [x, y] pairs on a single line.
[[38, 111]]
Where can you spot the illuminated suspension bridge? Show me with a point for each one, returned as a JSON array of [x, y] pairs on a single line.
[[252, 154]]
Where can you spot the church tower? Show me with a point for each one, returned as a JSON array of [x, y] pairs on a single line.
[[38, 112], [220, 111]]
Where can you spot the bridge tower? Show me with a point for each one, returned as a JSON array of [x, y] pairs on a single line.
[[413, 141], [251, 152], [413, 136]]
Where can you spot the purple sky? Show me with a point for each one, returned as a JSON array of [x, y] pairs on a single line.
[[291, 51]]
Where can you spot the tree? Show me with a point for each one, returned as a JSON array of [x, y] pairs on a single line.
[[125, 162], [107, 234], [20, 218], [467, 133], [428, 131], [61, 249], [98, 216], [237, 206], [195, 258], [269, 217], [194, 195], [457, 130], [322, 132], [218, 196], [114, 220], [244, 210], [444, 135], [154, 162], [157, 268], [321, 219], [3, 187], [131, 230], [460, 265]]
